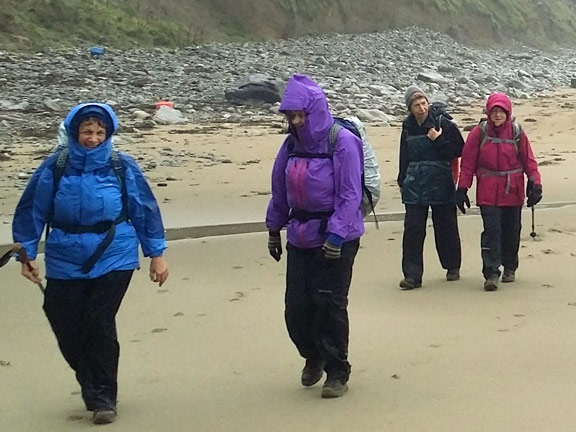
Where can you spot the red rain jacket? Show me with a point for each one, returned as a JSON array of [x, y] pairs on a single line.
[[498, 164]]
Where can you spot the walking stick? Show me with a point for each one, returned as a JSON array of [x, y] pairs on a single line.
[[17, 248], [533, 233]]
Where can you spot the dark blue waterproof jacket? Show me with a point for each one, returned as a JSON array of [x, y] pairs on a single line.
[[88, 193], [425, 173]]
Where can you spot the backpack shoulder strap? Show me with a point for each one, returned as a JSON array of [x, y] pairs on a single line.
[[333, 136], [59, 167], [118, 167], [483, 135], [517, 128], [120, 173], [57, 172]]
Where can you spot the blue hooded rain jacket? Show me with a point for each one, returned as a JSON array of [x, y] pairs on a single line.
[[88, 193]]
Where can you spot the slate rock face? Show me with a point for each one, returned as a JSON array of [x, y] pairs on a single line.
[[254, 89]]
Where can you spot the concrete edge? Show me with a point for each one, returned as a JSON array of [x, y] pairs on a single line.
[[195, 232]]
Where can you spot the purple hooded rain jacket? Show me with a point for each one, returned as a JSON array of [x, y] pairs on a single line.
[[316, 184]]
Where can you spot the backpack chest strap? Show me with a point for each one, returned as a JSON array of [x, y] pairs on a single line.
[[499, 140]]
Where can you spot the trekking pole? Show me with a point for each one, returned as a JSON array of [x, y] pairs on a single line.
[[17, 248], [533, 233]]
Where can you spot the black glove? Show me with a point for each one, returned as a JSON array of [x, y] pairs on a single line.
[[462, 198], [534, 193], [275, 245], [332, 246]]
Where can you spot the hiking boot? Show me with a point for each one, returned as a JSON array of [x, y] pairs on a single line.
[[103, 416], [508, 276], [491, 283], [409, 283], [312, 372], [333, 388], [453, 274]]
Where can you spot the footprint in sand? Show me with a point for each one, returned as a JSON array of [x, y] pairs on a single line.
[[74, 417], [178, 314], [159, 330], [238, 296], [4, 363]]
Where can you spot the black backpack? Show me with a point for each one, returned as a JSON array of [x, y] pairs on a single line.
[[439, 112]]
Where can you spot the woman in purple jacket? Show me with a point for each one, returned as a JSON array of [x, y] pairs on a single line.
[[316, 194]]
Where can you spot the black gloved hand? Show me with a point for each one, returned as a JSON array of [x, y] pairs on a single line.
[[462, 198], [275, 245], [534, 193], [332, 247]]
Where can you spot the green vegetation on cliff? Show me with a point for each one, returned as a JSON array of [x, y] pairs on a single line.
[[35, 24]]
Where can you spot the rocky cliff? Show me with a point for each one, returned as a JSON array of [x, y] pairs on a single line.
[[37, 23]]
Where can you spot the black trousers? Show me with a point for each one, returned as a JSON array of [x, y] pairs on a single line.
[[446, 236], [316, 305], [82, 314], [500, 239]]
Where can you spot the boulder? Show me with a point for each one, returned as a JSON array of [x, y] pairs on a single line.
[[256, 88]]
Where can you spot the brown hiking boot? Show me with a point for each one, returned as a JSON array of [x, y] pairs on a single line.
[[491, 283], [312, 372], [333, 388], [508, 276]]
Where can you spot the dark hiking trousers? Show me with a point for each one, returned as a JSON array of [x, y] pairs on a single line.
[[316, 304], [500, 239], [446, 237], [82, 314]]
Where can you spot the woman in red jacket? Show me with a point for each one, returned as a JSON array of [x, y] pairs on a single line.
[[498, 152]]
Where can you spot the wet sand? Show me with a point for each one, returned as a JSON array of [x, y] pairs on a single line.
[[209, 351]]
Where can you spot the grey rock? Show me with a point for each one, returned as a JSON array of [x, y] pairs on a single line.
[[432, 77], [169, 116], [256, 88]]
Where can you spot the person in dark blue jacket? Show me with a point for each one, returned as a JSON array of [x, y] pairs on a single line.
[[98, 211], [428, 145]]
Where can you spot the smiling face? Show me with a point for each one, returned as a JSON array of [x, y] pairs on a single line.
[[296, 118], [91, 133], [498, 116]]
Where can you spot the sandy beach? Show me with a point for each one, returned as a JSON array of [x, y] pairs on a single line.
[[209, 350]]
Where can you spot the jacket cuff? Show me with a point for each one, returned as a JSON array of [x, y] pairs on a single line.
[[154, 247], [335, 239]]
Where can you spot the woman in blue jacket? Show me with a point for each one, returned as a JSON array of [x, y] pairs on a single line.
[[98, 207]]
